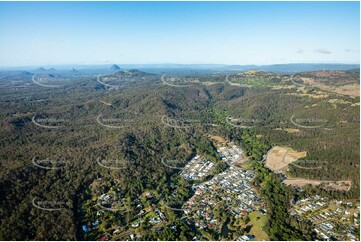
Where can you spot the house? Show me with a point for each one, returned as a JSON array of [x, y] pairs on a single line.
[[244, 238], [140, 213], [261, 211], [250, 236], [161, 215], [135, 224], [323, 236], [85, 228], [104, 238], [154, 220], [95, 223], [351, 236]]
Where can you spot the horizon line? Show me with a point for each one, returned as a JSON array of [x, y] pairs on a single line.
[[185, 64]]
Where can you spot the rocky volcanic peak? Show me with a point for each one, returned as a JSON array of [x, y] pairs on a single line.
[[115, 67]]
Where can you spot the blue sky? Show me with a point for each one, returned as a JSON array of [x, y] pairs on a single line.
[[50, 33]]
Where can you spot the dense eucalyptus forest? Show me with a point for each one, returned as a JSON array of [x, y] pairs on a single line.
[[57, 129]]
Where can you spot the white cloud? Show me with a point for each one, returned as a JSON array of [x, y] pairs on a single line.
[[322, 51]]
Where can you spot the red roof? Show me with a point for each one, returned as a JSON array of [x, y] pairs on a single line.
[[105, 237]]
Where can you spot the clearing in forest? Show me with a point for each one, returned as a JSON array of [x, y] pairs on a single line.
[[279, 157], [337, 185], [347, 89], [217, 138], [259, 223]]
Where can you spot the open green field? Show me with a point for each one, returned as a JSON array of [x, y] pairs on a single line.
[[258, 222]]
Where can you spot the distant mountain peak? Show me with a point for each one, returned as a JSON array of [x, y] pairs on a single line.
[[74, 70], [115, 67], [41, 69], [52, 69]]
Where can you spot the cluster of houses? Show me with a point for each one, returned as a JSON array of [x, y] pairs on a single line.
[[157, 218], [86, 228], [197, 168], [233, 187], [230, 154], [105, 202], [333, 219], [180, 79], [246, 237], [110, 201]]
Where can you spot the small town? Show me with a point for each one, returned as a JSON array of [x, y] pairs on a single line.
[[110, 203], [333, 219], [231, 187], [232, 190]]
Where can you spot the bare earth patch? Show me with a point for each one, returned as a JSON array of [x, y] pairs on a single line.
[[279, 157], [348, 89], [278, 160], [205, 83], [338, 101], [282, 87], [337, 185], [289, 130], [217, 138], [315, 95], [240, 162]]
